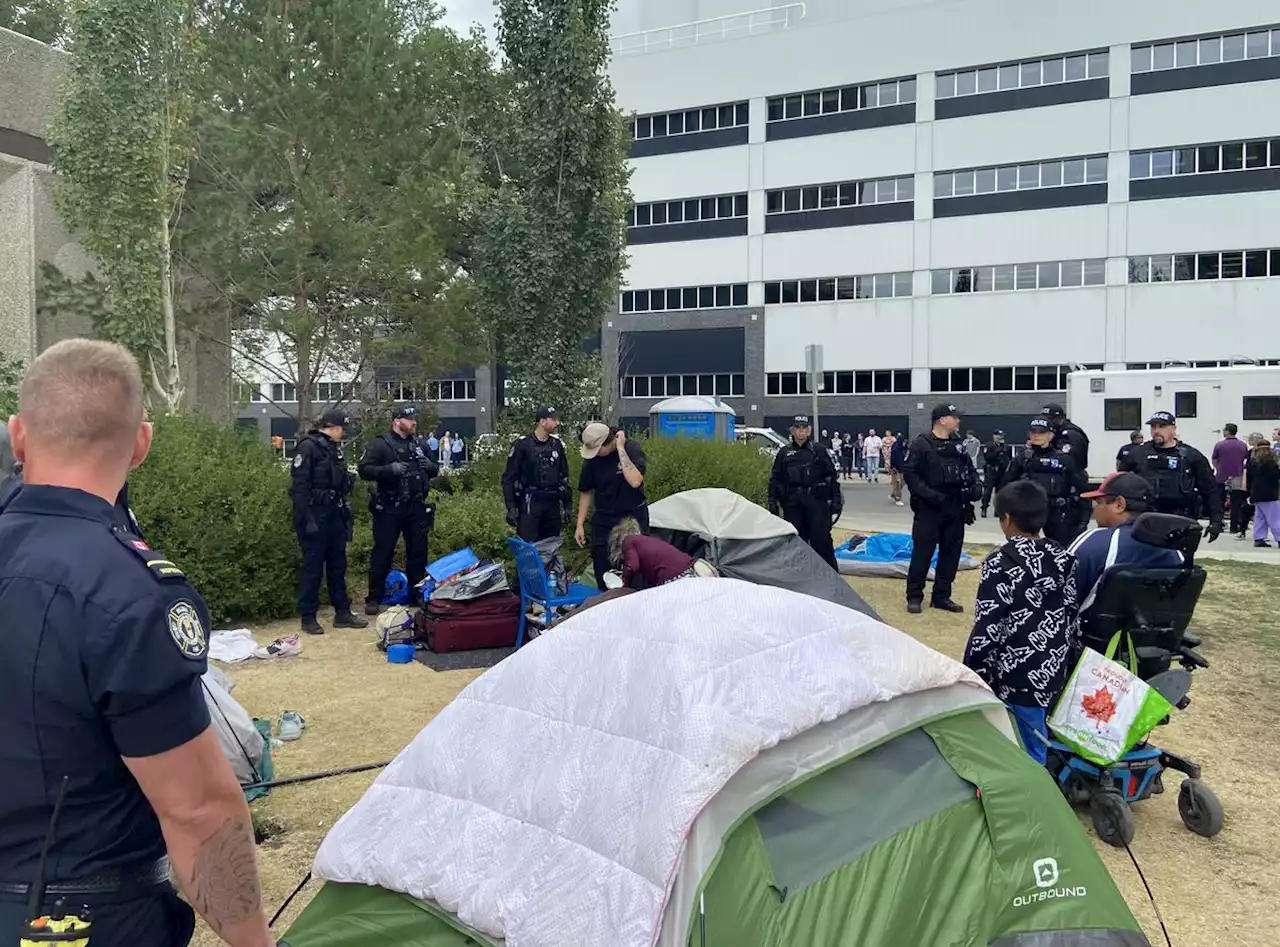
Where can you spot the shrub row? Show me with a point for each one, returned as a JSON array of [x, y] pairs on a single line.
[[216, 502]]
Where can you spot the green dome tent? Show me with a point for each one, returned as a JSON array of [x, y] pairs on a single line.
[[715, 763]]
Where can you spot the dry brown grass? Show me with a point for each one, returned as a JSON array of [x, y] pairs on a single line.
[[1222, 892]]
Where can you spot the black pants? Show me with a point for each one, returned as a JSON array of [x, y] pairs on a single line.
[[1062, 525], [1241, 511], [941, 529], [389, 524], [324, 554], [846, 464], [539, 519], [157, 920], [811, 517], [991, 478], [601, 526]]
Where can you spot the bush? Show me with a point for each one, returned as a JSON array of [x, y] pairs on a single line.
[[216, 502]]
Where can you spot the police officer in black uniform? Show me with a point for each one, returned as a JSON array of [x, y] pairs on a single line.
[[1062, 479], [805, 486], [995, 460], [1180, 476], [103, 646], [1122, 455], [401, 467], [1068, 436], [944, 486], [535, 484], [321, 492]]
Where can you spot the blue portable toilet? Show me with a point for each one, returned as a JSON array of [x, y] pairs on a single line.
[[698, 416]]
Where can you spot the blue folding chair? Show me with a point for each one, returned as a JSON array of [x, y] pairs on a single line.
[[536, 587]]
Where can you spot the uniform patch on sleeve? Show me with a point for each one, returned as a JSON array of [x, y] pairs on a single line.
[[297, 460], [160, 567], [187, 630]]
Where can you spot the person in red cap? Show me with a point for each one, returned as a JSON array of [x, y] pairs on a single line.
[[1116, 504]]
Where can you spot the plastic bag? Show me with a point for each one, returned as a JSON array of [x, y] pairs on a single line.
[[485, 579], [550, 549], [395, 626], [1106, 709]]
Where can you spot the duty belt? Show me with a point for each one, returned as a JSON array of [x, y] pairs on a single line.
[[107, 881]]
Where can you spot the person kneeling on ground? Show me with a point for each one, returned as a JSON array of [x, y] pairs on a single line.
[[1026, 631], [647, 561]]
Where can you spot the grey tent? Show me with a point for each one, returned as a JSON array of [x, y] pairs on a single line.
[[745, 541]]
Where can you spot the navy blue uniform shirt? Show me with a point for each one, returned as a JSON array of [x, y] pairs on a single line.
[[102, 645]]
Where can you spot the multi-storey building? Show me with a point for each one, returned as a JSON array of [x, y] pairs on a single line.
[[959, 201]]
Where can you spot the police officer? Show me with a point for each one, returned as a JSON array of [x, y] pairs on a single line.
[[1180, 476], [805, 485], [995, 461], [1068, 436], [535, 484], [1062, 479], [944, 486], [400, 466], [321, 491], [1122, 455], [103, 648]]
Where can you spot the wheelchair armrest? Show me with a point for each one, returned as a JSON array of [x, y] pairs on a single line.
[[1190, 658], [1192, 641]]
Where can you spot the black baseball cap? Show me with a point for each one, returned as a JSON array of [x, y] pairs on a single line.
[[1053, 410], [1162, 417], [944, 411], [800, 420], [335, 417], [405, 411], [1039, 424], [547, 411], [1127, 485], [997, 433]]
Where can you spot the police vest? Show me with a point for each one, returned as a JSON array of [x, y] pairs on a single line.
[[1169, 474], [540, 470], [801, 470], [1049, 469], [412, 484], [329, 474], [952, 473]]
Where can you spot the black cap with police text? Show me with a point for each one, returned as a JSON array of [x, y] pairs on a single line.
[[1052, 410], [405, 411], [1039, 424], [800, 420], [335, 417], [547, 411], [944, 411], [1162, 417]]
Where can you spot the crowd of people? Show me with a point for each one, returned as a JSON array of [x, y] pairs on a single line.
[[866, 456]]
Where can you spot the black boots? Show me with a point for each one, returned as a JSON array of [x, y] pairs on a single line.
[[349, 619], [311, 626], [946, 605]]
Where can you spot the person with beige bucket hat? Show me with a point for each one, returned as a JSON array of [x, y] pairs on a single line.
[[612, 480]]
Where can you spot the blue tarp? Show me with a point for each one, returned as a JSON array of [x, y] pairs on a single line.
[[884, 554]]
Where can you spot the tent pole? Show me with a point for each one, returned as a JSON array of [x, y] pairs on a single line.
[[312, 777]]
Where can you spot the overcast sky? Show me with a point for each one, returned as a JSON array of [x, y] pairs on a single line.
[[460, 14]]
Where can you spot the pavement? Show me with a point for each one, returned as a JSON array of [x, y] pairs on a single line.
[[868, 509]]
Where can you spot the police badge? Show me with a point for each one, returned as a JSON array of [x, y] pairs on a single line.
[[187, 631]]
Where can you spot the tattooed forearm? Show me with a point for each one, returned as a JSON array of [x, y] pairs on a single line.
[[224, 885]]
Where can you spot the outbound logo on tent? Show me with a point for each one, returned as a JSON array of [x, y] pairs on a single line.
[[1045, 874]]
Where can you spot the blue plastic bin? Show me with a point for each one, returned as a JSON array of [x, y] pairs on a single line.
[[400, 654]]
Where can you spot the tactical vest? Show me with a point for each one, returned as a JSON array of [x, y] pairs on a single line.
[[1169, 475], [801, 471], [953, 471], [544, 477], [1049, 469]]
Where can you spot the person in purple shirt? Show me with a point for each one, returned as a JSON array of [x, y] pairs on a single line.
[[1116, 504], [1229, 456]]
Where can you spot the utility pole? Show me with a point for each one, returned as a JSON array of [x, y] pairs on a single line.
[[813, 366]]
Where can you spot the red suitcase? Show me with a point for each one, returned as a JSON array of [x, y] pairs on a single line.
[[490, 621]]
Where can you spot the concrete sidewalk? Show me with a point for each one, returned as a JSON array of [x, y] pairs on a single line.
[[868, 509]]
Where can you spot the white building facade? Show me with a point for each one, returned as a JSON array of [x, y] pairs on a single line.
[[958, 200]]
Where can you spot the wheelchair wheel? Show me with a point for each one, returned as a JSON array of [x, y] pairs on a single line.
[[1199, 808], [1112, 818]]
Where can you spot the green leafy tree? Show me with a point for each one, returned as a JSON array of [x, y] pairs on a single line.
[[122, 146], [45, 20], [326, 210], [10, 379], [551, 245]]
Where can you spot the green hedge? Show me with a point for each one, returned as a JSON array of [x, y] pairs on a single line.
[[216, 502]]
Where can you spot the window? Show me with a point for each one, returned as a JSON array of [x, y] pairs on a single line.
[[1214, 265], [1260, 408], [999, 379], [246, 393], [672, 386], [1232, 47], [1184, 404], [1122, 414], [1027, 74], [880, 381], [688, 210], [1204, 159], [842, 194], [1049, 275], [828, 289], [848, 99], [684, 297], [691, 121], [1021, 177], [284, 394]]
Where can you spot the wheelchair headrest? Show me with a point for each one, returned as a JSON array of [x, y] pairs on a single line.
[[1168, 532]]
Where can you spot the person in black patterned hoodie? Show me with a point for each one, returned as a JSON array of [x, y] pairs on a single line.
[[1026, 634]]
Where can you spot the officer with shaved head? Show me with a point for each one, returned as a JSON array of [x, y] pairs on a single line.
[[102, 646]]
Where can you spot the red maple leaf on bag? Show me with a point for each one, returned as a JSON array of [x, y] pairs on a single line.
[[1099, 705]]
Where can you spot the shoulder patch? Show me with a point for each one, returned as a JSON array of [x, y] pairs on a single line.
[[187, 631], [160, 567], [297, 460]]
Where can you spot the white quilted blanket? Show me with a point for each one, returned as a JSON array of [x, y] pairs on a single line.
[[549, 802]]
